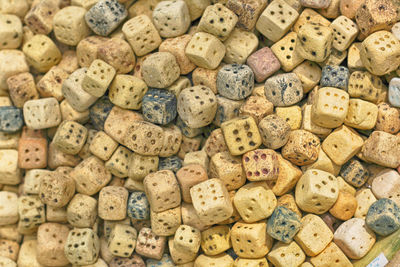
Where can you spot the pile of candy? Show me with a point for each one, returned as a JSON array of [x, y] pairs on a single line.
[[199, 133]]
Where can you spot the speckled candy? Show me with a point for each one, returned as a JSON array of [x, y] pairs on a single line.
[[335, 76], [284, 89], [159, 106], [354, 172], [98, 113], [138, 206], [235, 81], [11, 119], [173, 163], [283, 224], [383, 217], [394, 92], [105, 16]]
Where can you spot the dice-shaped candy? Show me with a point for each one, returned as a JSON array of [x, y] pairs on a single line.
[[243, 234], [380, 53], [314, 41], [316, 191], [330, 107], [31, 213], [70, 26], [235, 81], [41, 52], [127, 91], [239, 46], [149, 244], [284, 89], [51, 238], [205, 50], [276, 20], [82, 211], [42, 113], [99, 112], [274, 131], [70, 137], [342, 144], [171, 18], [372, 16], [162, 190], [97, 78], [211, 201], [122, 240], [173, 163], [189, 176], [112, 203], [241, 135], [197, 106], [159, 106], [302, 147], [56, 189], [383, 217], [254, 201], [285, 254], [10, 119], [187, 239], [344, 32], [141, 34], [361, 114], [82, 246], [394, 92], [105, 16], [335, 76], [9, 212], [218, 20], [382, 148], [144, 138], [388, 118], [261, 164], [165, 223], [138, 206], [283, 224], [160, 70], [264, 63], [314, 235], [228, 169], [354, 238], [90, 176], [22, 88], [355, 172], [11, 31], [73, 92], [227, 110]]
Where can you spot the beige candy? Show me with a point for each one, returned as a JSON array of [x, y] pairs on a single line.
[[331, 254], [383, 149], [316, 191], [210, 208], [261, 242], [255, 201], [283, 255], [342, 144], [287, 51], [205, 50], [276, 20], [217, 20], [314, 235], [376, 57], [365, 198], [160, 70], [216, 240], [361, 114], [141, 34], [330, 107], [354, 238], [239, 45]]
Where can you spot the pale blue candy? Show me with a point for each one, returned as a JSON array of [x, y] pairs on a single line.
[[165, 261], [394, 92]]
